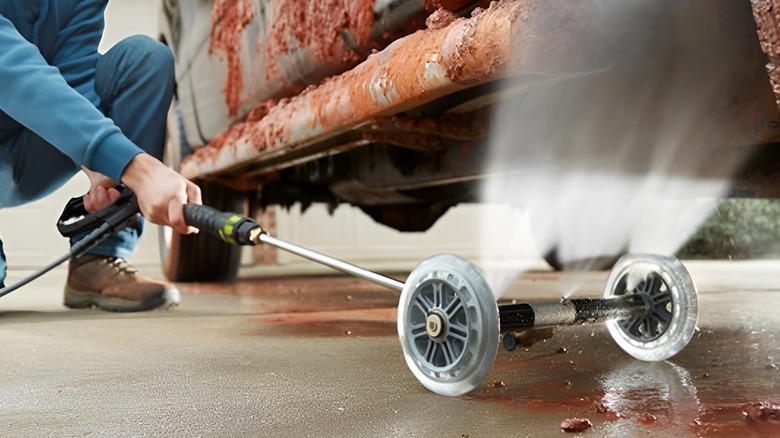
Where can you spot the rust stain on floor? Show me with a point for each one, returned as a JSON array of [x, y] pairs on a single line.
[[357, 322], [314, 306], [709, 390]]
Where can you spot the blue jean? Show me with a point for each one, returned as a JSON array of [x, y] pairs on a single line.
[[134, 81]]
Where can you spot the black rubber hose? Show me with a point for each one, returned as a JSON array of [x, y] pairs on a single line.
[[82, 246]]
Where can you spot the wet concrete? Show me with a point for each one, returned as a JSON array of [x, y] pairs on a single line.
[[320, 357]]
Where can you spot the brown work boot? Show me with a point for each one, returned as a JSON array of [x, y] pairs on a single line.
[[110, 283]]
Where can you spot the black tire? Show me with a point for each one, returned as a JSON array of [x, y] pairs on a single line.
[[200, 257], [602, 263], [552, 259], [406, 217]]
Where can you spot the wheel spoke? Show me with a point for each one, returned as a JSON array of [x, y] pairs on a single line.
[[423, 303], [459, 329], [633, 325], [453, 302], [662, 300], [451, 312], [663, 315], [418, 330], [647, 329], [447, 354], [428, 301], [455, 347], [430, 352], [457, 336], [655, 285], [437, 298]]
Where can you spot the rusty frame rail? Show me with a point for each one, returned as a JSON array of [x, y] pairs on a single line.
[[453, 54]]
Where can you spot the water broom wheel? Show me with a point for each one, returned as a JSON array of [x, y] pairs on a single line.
[[448, 325], [665, 286]]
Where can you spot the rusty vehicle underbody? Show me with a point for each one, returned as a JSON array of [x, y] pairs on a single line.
[[388, 104]]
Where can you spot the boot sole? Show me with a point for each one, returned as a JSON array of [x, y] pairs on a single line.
[[74, 299]]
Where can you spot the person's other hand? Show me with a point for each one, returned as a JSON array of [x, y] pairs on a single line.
[[161, 192], [102, 191]]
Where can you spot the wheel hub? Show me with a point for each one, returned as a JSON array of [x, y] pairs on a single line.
[[654, 290], [435, 324], [439, 324]]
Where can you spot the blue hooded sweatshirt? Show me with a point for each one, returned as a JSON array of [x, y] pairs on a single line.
[[48, 54]]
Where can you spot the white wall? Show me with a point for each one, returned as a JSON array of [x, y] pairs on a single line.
[[130, 17], [350, 235]]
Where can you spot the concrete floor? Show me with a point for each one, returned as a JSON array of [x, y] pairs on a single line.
[[320, 357]]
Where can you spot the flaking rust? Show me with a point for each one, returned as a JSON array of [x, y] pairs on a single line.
[[327, 30], [421, 67], [297, 42], [229, 18], [767, 16]]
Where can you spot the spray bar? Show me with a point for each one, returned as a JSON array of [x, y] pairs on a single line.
[[526, 316], [569, 312]]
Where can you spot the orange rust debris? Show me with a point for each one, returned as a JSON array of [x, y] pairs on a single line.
[[415, 69], [321, 26], [576, 425], [297, 42], [229, 18], [440, 18], [762, 412], [766, 13]]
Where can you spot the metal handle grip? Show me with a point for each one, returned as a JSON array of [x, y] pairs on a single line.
[[230, 227]]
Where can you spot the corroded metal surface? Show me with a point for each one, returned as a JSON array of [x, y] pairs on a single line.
[[427, 133], [282, 46], [230, 17], [767, 16], [411, 71]]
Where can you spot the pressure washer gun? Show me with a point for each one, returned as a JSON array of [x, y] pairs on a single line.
[[230, 227], [75, 220]]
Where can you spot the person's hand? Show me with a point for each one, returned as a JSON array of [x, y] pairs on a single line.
[[161, 192], [102, 191]]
